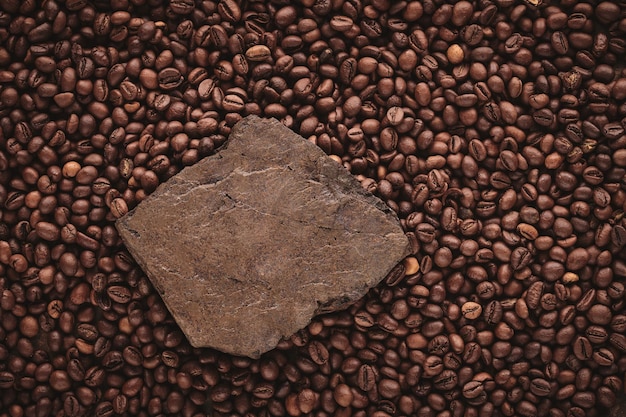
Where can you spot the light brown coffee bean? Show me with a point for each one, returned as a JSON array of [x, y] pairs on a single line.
[[471, 310]]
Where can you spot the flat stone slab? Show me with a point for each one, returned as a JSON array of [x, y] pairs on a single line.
[[247, 245]]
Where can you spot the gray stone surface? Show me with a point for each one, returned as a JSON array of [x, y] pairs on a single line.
[[247, 245]]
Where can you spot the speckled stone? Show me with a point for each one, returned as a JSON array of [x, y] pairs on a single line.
[[247, 245]]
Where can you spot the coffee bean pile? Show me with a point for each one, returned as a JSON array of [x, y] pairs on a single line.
[[494, 128]]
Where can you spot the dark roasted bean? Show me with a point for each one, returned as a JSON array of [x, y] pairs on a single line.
[[494, 130]]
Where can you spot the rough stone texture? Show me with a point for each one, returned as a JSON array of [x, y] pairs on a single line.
[[247, 245]]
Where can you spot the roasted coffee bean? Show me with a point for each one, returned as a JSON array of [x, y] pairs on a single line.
[[7, 379], [119, 294], [87, 332], [544, 117], [520, 257], [493, 312], [132, 356], [318, 352], [104, 409], [582, 348], [473, 389], [471, 310], [599, 314], [534, 294], [603, 357], [618, 341], [229, 10], [366, 377], [540, 387], [182, 7], [263, 390], [389, 388], [396, 275], [527, 231], [101, 347], [75, 370], [60, 381], [492, 112], [112, 361], [71, 406], [584, 399], [587, 300], [233, 103], [364, 319], [493, 131], [118, 207], [559, 42], [446, 380], [258, 53], [169, 78]]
